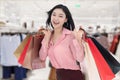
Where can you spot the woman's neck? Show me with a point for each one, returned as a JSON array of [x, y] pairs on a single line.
[[57, 31], [56, 35]]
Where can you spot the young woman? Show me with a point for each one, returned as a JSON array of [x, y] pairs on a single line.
[[63, 46]]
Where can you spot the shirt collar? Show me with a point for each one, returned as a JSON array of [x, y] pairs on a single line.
[[66, 31]]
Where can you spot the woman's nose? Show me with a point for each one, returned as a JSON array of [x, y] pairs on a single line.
[[56, 18]]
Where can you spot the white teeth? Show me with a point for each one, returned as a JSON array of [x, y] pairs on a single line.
[[56, 22]]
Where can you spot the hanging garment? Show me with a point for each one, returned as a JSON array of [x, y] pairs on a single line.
[[9, 62], [112, 62], [19, 72], [0, 48], [103, 67], [8, 45], [88, 66]]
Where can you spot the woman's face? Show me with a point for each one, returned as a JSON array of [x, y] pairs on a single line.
[[58, 18]]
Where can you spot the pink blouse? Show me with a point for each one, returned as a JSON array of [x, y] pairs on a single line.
[[64, 53]]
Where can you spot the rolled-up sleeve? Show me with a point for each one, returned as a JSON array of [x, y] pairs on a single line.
[[77, 50], [43, 50]]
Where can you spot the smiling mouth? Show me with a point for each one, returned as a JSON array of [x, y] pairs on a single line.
[[55, 22]]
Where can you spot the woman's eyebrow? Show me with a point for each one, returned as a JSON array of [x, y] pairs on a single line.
[[61, 14]]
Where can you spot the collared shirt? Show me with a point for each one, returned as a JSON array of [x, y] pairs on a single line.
[[64, 53]]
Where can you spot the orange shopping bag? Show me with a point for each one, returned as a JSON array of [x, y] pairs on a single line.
[[20, 48]]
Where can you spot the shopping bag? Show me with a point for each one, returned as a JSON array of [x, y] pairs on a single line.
[[32, 60], [102, 66], [27, 52], [52, 74], [23, 54], [27, 59], [88, 65], [20, 48], [114, 43], [112, 62]]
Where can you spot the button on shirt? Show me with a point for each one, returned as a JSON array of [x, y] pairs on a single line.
[[64, 53]]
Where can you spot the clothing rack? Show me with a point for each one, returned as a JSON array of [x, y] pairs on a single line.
[[13, 33], [18, 33]]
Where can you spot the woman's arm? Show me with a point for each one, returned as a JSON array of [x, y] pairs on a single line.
[[45, 45], [43, 50], [77, 50]]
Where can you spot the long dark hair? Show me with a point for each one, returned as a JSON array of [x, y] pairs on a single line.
[[69, 24]]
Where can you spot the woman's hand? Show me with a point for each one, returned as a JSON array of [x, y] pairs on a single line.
[[79, 35], [44, 32], [47, 34]]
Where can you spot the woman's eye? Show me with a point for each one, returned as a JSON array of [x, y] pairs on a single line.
[[60, 16], [54, 15]]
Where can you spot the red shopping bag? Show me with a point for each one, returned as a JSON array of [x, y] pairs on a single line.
[[103, 68]]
